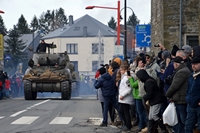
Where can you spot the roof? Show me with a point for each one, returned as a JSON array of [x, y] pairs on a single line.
[[27, 39], [76, 29]]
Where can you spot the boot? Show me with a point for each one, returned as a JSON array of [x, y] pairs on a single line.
[[162, 126], [150, 126]]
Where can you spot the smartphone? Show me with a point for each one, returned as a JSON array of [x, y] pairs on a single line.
[[128, 73], [156, 45]]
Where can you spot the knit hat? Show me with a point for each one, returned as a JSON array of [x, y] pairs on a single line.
[[178, 59], [166, 54], [187, 49], [174, 50], [118, 60]]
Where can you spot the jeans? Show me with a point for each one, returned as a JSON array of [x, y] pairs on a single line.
[[141, 113], [107, 101], [181, 110], [193, 116], [111, 111]]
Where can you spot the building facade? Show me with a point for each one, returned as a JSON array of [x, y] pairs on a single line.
[[165, 23], [88, 43]]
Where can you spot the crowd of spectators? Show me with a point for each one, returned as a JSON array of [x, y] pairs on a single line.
[[144, 88]]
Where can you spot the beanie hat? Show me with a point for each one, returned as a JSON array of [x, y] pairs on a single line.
[[178, 59], [118, 60], [187, 49], [166, 54], [174, 50]]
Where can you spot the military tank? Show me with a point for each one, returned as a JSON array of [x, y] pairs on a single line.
[[49, 73]]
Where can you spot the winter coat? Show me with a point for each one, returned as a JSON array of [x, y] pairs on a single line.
[[7, 84], [177, 90], [168, 71], [193, 90], [135, 91], [99, 95], [114, 79], [125, 91], [106, 83], [151, 70], [140, 84], [153, 93]]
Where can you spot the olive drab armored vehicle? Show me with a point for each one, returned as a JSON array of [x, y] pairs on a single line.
[[49, 73]]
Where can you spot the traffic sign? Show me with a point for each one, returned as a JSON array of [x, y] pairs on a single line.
[[143, 35]]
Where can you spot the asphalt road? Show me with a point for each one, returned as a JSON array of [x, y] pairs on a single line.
[[52, 115]]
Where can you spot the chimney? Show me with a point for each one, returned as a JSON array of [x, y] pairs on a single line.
[[85, 31], [71, 21]]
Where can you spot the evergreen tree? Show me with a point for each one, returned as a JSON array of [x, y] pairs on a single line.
[[43, 24], [34, 24], [112, 23], [55, 19], [62, 18], [2, 22], [22, 25], [14, 47], [133, 20]]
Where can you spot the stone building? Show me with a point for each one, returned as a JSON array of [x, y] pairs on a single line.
[[165, 22]]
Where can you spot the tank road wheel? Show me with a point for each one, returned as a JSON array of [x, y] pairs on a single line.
[[65, 90], [28, 91]]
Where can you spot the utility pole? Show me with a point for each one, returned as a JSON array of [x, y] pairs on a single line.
[[99, 49], [125, 32]]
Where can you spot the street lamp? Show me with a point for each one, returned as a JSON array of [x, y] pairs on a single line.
[[1, 11], [118, 17], [133, 28]]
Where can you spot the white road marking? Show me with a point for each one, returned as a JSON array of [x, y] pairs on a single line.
[[19, 112], [96, 121], [41, 103], [61, 120], [15, 114], [25, 120], [1, 117]]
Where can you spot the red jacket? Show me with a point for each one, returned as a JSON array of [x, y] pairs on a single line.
[[7, 84]]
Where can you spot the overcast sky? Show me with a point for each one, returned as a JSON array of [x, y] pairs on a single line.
[[14, 8]]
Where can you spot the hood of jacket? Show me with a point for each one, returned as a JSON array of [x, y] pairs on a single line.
[[106, 76], [196, 52], [142, 75]]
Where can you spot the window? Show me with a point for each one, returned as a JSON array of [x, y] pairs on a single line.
[[72, 48], [75, 65], [95, 48], [96, 65], [192, 40]]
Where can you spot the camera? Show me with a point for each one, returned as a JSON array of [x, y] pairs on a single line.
[[156, 45]]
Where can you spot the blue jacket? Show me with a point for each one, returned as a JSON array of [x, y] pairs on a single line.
[[106, 83], [193, 91], [168, 71]]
